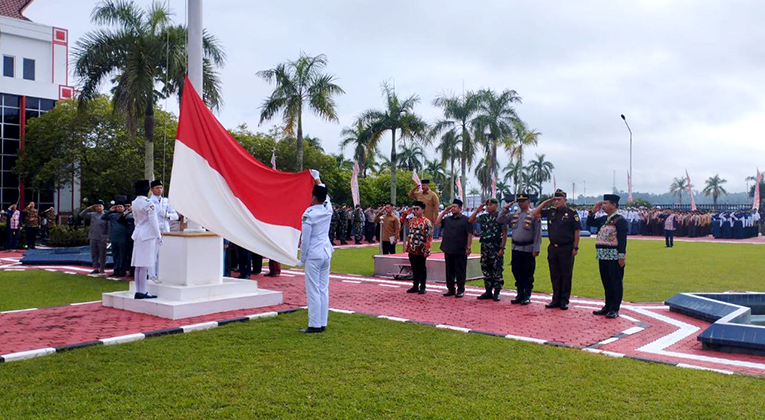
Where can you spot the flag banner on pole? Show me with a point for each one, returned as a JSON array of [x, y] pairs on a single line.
[[273, 159], [459, 190], [218, 184], [629, 187], [690, 192], [494, 186], [756, 201], [355, 185], [416, 179]]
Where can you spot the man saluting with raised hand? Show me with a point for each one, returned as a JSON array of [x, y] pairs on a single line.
[[315, 254]]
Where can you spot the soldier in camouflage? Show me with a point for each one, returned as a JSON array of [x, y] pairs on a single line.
[[342, 224], [493, 238], [333, 225], [358, 224]]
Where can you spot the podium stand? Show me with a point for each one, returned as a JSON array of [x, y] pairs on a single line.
[[191, 282]]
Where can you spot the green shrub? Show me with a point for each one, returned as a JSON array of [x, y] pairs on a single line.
[[68, 236]]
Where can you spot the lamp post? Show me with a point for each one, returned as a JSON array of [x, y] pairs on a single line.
[[630, 130]]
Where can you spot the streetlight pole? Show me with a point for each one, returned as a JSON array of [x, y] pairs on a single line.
[[630, 130]]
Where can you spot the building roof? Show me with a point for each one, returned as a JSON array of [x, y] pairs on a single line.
[[14, 8]]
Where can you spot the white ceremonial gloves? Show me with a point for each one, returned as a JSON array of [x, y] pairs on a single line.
[[315, 174]]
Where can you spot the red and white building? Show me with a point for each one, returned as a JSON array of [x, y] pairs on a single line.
[[34, 75]]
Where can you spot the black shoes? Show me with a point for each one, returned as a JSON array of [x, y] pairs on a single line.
[[421, 291], [612, 314], [552, 305], [486, 296], [311, 330], [449, 293], [603, 311], [144, 296], [496, 295], [564, 306], [413, 289], [94, 272], [460, 293]]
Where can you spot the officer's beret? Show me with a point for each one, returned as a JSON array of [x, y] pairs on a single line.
[[560, 193], [492, 200]]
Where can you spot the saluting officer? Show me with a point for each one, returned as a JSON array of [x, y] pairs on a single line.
[[526, 242], [493, 238], [315, 254], [563, 226], [611, 251]]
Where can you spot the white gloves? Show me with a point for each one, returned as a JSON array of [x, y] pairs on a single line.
[[315, 174]]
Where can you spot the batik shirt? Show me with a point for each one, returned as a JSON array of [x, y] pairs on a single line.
[[611, 242], [420, 236]]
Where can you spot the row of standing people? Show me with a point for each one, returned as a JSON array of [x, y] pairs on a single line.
[[28, 220]]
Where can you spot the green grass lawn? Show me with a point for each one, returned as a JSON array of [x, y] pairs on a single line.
[[361, 368], [653, 273], [34, 289]]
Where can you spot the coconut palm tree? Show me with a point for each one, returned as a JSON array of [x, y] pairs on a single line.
[[398, 117], [512, 173], [359, 138], [524, 138], [483, 171], [450, 152], [143, 55], [678, 187], [495, 122], [300, 83], [714, 188], [411, 157], [459, 119], [540, 171], [343, 163], [315, 142], [435, 169]]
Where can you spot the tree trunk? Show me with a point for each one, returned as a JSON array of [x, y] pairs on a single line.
[[393, 167], [299, 160], [148, 127], [451, 188]]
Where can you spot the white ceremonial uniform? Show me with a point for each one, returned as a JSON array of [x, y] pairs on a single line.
[[165, 214], [315, 254], [145, 234]]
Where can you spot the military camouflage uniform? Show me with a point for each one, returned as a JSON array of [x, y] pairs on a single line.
[[342, 224], [358, 224], [333, 227], [491, 244]]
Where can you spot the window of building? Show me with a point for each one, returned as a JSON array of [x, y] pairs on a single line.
[[29, 69], [9, 64]]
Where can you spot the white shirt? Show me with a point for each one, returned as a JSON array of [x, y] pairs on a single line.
[[315, 237], [145, 215], [165, 213]]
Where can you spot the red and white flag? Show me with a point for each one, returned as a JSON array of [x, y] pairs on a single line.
[[690, 192], [459, 190], [629, 188], [273, 159], [416, 179], [758, 180], [355, 185], [218, 184]]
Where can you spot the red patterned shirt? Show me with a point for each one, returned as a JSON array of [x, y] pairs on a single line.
[[420, 236]]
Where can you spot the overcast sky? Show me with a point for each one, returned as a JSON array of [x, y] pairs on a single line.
[[688, 74]]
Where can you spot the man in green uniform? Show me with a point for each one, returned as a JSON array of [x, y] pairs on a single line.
[[333, 225], [358, 224], [342, 223], [493, 238], [563, 231]]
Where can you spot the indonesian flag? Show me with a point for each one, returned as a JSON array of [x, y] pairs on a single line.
[[459, 190], [273, 159], [629, 187], [693, 200], [355, 185], [218, 184], [756, 203], [416, 179]]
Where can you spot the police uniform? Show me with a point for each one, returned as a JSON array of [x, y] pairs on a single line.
[[165, 214], [315, 254], [610, 247], [526, 241], [145, 238], [563, 224], [492, 232]]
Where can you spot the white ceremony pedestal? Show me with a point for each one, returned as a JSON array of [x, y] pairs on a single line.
[[192, 283]]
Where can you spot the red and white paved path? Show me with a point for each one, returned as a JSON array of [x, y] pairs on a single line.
[[645, 330]]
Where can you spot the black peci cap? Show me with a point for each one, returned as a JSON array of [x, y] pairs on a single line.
[[612, 198], [142, 187]]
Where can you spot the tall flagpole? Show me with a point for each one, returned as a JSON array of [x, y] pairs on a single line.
[[194, 51]]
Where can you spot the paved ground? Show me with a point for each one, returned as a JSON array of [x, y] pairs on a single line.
[[645, 330]]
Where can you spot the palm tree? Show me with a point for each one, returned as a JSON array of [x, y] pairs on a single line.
[[523, 138], [343, 163], [714, 188], [503, 189], [449, 153], [512, 172], [359, 138], [484, 172], [298, 83], [540, 171], [678, 187], [411, 157], [459, 119], [144, 56], [315, 142], [397, 117], [435, 170], [496, 120]]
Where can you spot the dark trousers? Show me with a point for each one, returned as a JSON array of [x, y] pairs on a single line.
[[561, 270], [245, 262], [119, 255], [388, 248], [257, 263], [612, 276], [274, 268], [456, 270], [98, 253], [13, 239], [369, 231], [523, 265], [31, 236], [669, 237], [419, 271]]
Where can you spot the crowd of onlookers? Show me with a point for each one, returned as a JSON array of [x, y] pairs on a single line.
[[27, 221]]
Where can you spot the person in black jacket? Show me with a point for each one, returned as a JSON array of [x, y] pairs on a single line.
[[611, 252]]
